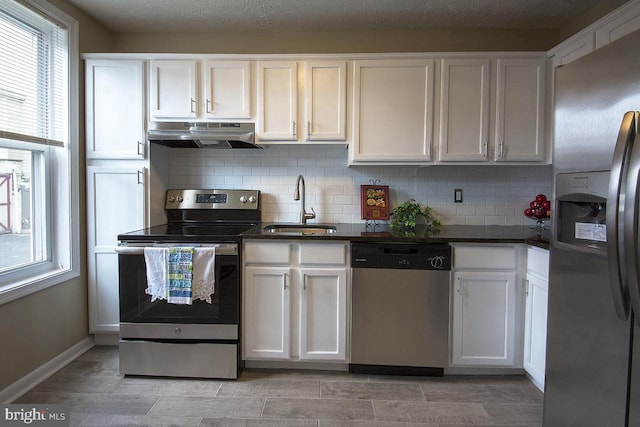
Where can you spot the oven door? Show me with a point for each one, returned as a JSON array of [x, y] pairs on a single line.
[[137, 311]]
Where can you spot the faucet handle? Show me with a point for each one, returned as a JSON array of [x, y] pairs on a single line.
[[308, 215]]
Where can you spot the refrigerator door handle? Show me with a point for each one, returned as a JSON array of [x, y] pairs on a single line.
[[616, 216], [631, 217]]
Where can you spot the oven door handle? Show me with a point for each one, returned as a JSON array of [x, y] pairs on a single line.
[[139, 250]]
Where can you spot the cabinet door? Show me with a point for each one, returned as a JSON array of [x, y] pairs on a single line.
[[173, 89], [115, 109], [535, 328], [520, 110], [277, 100], [484, 318], [393, 111], [323, 314], [267, 311], [464, 110], [227, 90], [326, 100], [107, 188]]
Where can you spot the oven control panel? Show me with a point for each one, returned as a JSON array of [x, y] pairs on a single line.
[[213, 199]]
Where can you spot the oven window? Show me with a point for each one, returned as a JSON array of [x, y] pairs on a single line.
[[136, 305]]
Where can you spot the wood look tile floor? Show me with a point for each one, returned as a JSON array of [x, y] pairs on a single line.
[[97, 395]]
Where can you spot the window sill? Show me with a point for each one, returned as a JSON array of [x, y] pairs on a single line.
[[35, 284]]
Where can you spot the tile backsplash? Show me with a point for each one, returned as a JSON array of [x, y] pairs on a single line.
[[492, 195]]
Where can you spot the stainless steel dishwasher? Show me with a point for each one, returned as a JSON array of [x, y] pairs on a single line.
[[400, 308]]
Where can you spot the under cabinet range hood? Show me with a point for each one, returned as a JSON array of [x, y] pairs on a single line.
[[203, 135]]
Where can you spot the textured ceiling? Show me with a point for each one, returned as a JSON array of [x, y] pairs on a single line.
[[329, 15]]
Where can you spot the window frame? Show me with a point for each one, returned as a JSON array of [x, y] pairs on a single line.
[[61, 173]]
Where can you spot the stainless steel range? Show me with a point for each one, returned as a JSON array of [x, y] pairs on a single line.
[[184, 330]]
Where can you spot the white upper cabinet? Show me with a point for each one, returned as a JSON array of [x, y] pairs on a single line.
[[302, 101], [464, 110], [277, 100], [493, 110], [520, 110], [619, 23], [393, 111], [326, 100], [572, 49], [227, 89], [115, 109], [173, 89], [177, 93]]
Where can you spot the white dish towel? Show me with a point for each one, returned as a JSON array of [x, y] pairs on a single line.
[[203, 281], [204, 273]]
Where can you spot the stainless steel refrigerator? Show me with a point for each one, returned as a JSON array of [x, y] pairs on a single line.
[[593, 333]]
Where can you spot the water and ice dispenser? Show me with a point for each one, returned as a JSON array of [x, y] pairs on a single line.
[[581, 204]]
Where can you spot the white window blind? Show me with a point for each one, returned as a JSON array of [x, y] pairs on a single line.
[[33, 76]]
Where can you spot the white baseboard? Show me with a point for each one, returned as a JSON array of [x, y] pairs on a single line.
[[40, 374]]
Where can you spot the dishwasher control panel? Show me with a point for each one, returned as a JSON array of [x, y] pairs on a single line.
[[409, 256]]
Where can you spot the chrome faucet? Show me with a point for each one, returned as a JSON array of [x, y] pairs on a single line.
[[304, 216]]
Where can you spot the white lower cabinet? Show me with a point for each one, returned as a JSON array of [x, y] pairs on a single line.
[[108, 187], [487, 315], [295, 298], [535, 326]]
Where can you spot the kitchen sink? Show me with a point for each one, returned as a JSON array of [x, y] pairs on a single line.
[[299, 229]]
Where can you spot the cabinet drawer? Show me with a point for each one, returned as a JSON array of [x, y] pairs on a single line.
[[485, 257], [323, 253], [272, 253], [538, 261]]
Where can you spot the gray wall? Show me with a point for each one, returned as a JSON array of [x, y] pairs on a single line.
[[39, 327]]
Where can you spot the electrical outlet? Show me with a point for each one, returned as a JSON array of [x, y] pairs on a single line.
[[457, 195]]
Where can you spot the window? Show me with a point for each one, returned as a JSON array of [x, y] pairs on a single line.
[[38, 148]]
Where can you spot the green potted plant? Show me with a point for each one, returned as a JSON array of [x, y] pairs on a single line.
[[405, 216]]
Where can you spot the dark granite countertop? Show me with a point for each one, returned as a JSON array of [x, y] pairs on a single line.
[[381, 233]]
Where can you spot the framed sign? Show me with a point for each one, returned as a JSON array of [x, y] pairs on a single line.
[[374, 202]]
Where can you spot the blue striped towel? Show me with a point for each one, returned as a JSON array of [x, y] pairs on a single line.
[[179, 275]]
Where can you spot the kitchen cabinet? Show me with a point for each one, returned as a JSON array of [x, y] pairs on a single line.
[[619, 23], [115, 95], [107, 188], [393, 111], [469, 103], [122, 170], [322, 94], [535, 326], [572, 49], [295, 301], [520, 110], [178, 93], [325, 92], [173, 89], [486, 320], [464, 110]]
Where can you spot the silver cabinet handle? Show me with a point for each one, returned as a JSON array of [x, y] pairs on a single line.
[[484, 150], [501, 150], [193, 106], [615, 216], [526, 287], [295, 130], [304, 282], [284, 280], [141, 176], [309, 128], [141, 149], [209, 106]]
